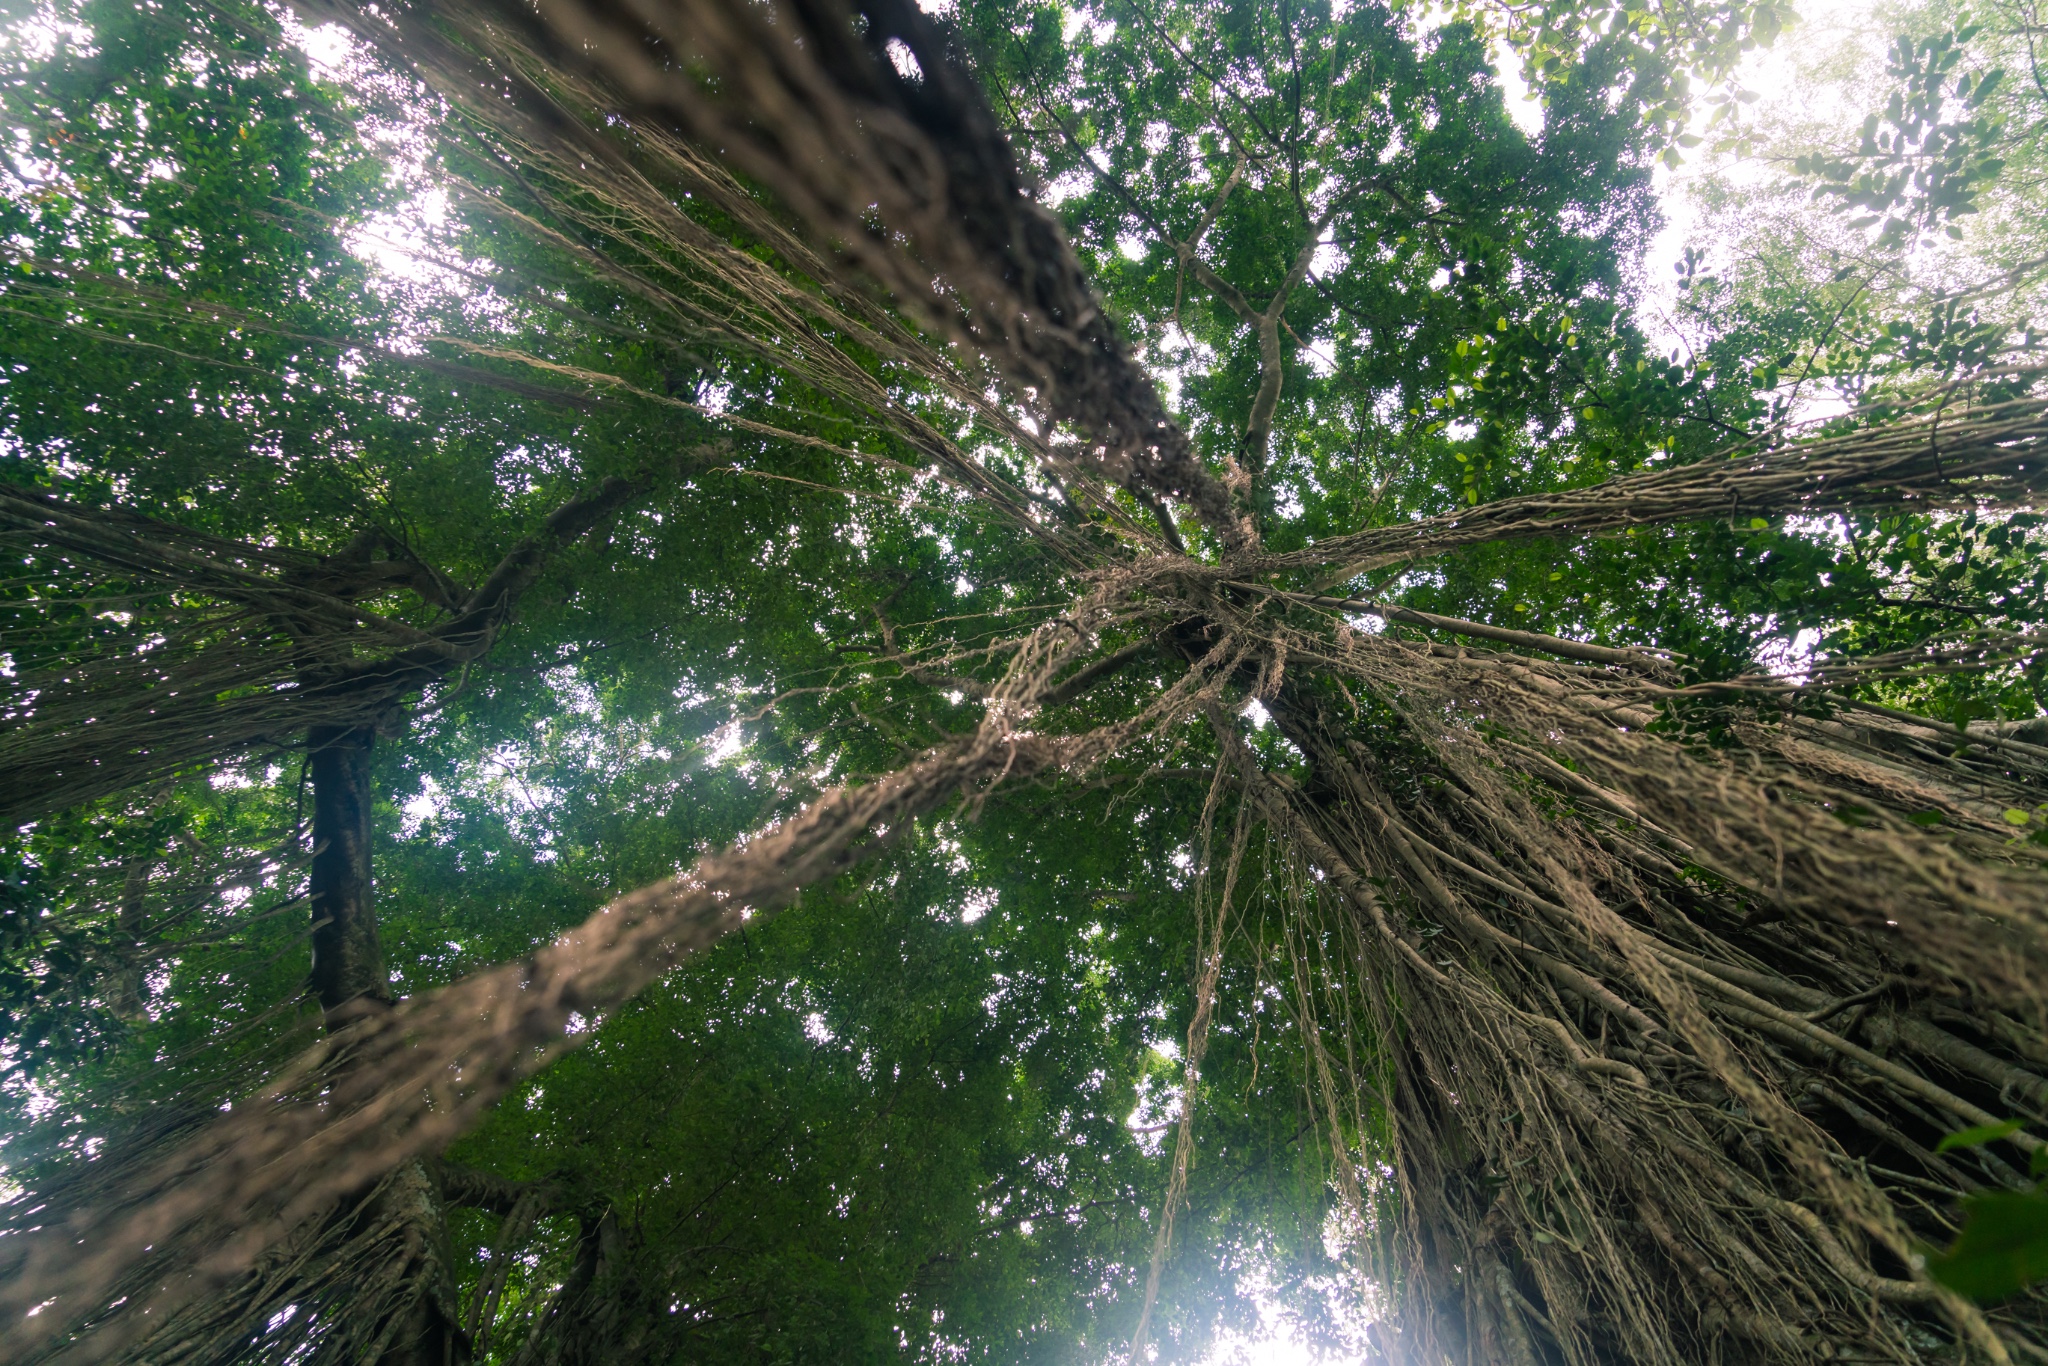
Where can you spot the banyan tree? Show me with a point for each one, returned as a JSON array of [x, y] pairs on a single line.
[[1020, 683]]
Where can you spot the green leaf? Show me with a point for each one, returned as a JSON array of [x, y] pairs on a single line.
[[2002, 1249], [1979, 1136], [2015, 816]]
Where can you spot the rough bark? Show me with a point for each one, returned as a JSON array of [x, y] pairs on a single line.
[[348, 978], [348, 960], [426, 1329]]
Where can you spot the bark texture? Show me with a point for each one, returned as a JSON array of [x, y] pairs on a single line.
[[1628, 1000], [348, 958]]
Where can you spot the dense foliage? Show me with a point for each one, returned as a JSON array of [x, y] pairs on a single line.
[[562, 477]]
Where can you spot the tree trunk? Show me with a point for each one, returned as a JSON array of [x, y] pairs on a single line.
[[348, 962], [124, 996], [348, 978], [426, 1329]]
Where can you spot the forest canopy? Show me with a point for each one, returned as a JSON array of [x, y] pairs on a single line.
[[783, 680]]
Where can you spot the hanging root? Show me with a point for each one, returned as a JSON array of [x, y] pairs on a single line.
[[224, 644], [808, 105], [1672, 1030], [1960, 445], [199, 1214], [1207, 971], [1654, 998]]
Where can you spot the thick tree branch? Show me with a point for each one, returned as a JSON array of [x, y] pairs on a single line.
[[1258, 431], [1479, 630]]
